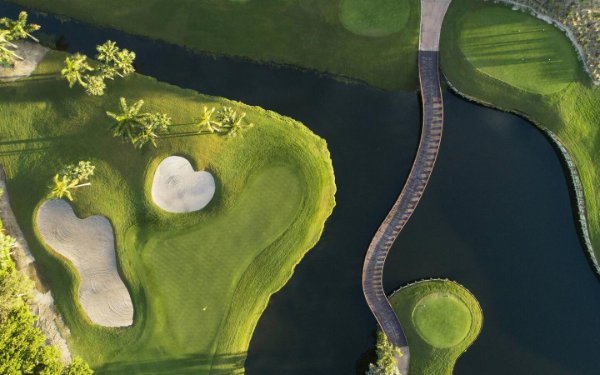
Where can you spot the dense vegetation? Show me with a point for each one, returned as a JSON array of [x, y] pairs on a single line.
[[483, 50], [22, 344], [197, 294], [372, 43], [386, 357], [441, 319]]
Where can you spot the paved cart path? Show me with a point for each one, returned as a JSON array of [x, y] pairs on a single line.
[[432, 16]]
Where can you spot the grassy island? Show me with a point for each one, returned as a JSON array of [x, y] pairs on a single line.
[[516, 62], [197, 291], [441, 319]]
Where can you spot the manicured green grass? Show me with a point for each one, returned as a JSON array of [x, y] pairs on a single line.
[[199, 281], [572, 113], [306, 33], [518, 49], [441, 319], [376, 17]]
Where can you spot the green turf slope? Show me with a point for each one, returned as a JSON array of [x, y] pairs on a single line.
[[441, 319], [199, 281], [375, 17], [551, 89], [328, 36]]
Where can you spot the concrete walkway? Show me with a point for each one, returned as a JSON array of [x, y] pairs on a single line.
[[432, 15]]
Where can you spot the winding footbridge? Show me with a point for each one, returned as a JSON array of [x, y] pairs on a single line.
[[432, 16]]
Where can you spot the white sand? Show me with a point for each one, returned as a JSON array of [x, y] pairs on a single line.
[[32, 53], [178, 188], [90, 245]]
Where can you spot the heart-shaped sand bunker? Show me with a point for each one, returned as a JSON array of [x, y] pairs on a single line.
[[90, 245], [178, 188]]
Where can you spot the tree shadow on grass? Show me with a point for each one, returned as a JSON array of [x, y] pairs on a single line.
[[26, 146], [220, 364]]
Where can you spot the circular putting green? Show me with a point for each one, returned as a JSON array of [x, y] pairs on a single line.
[[518, 49], [442, 320], [374, 17]]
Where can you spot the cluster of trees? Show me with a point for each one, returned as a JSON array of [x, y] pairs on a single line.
[[386, 357], [112, 62], [226, 121], [11, 31], [140, 128], [137, 127], [23, 348], [71, 177]]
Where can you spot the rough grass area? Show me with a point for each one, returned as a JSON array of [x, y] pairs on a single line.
[[199, 281], [376, 17], [518, 49], [573, 113], [306, 33], [441, 319]]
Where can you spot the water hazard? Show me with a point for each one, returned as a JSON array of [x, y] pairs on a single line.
[[496, 217]]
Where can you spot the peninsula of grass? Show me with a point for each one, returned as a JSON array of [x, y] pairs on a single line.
[[370, 41], [441, 319], [515, 62], [198, 281]]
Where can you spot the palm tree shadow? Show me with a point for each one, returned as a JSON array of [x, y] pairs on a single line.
[[26, 146]]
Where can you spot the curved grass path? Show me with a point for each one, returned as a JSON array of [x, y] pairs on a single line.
[[432, 15]]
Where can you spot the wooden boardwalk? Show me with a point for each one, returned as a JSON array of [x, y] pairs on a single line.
[[432, 15]]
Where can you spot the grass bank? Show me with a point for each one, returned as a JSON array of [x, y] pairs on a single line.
[[441, 319], [376, 44], [199, 281], [519, 63]]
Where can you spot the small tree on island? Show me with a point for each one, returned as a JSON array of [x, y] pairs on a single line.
[[71, 177], [386, 357], [139, 128], [7, 50], [113, 62]]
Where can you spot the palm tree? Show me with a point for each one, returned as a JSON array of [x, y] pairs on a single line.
[[75, 68], [95, 85], [63, 185], [19, 28], [153, 123], [232, 123], [7, 55], [71, 177], [207, 122], [124, 63], [239, 126], [138, 127], [115, 61], [107, 53], [128, 120]]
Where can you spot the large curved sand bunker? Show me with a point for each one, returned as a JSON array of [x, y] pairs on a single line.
[[90, 245], [178, 188]]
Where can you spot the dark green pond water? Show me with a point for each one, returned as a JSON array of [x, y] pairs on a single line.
[[496, 217]]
